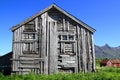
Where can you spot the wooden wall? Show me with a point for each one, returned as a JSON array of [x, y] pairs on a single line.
[[60, 45]]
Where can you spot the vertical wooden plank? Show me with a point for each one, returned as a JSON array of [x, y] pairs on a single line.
[[47, 45], [89, 59], [16, 66], [36, 23], [13, 56], [44, 37], [36, 28], [78, 48], [49, 49], [22, 45], [93, 52], [50, 54], [39, 35], [40, 40], [14, 51], [64, 24], [17, 51], [87, 51], [17, 35], [68, 25], [43, 50], [83, 50], [53, 47], [22, 37], [56, 46], [62, 46], [76, 58]]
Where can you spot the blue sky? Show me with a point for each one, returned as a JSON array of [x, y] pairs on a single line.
[[103, 15]]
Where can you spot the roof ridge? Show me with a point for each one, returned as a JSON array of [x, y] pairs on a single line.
[[59, 9]]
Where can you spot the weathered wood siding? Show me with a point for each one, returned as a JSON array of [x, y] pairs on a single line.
[[53, 42]]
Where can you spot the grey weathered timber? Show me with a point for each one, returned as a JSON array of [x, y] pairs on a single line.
[[53, 47], [47, 46], [53, 41], [43, 50], [79, 48], [89, 56], [83, 49], [93, 53]]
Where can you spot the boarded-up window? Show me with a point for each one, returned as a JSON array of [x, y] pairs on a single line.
[[68, 47], [29, 47], [29, 27]]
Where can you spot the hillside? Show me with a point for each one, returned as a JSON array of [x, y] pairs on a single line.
[[107, 52]]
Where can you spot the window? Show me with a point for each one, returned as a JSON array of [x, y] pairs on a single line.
[[71, 37], [32, 36], [29, 47], [64, 37], [67, 37], [29, 36]]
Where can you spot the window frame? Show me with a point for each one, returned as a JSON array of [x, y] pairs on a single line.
[[30, 36], [67, 37]]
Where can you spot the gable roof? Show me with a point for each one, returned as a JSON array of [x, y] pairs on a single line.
[[59, 9]]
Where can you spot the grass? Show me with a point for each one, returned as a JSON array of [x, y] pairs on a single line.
[[105, 73], [102, 73]]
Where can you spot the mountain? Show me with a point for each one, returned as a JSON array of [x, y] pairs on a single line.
[[107, 51]]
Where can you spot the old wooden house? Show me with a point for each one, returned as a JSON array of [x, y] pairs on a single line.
[[53, 41], [110, 63]]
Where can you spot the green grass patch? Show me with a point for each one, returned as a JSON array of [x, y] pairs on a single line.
[[102, 73]]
